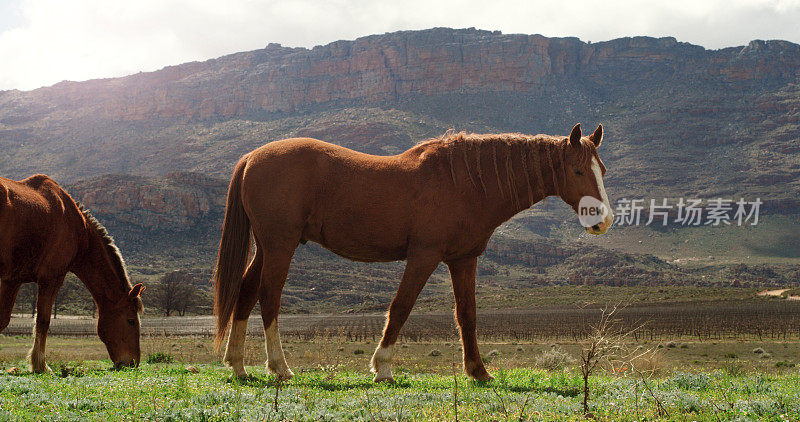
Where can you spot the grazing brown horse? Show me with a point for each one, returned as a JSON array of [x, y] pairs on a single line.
[[439, 201], [43, 235]]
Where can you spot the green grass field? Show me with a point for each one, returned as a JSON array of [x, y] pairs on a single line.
[[87, 391], [707, 381]]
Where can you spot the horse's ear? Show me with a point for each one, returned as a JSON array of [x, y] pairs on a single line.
[[597, 136], [575, 136], [136, 291]]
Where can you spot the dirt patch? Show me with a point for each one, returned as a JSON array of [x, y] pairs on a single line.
[[776, 292]]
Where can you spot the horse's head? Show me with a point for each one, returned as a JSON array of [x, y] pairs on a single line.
[[583, 185], [118, 328]]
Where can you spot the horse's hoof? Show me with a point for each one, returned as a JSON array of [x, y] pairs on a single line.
[[285, 376], [483, 377], [383, 378], [238, 369], [41, 370], [281, 370]]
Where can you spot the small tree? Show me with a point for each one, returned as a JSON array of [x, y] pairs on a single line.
[[192, 298], [26, 298], [69, 294], [174, 293]]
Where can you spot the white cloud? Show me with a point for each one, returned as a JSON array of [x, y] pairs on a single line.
[[84, 39]]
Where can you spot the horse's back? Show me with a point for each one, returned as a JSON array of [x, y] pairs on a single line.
[[320, 168], [299, 149], [39, 221]]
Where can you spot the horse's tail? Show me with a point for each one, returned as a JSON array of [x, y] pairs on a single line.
[[234, 250]]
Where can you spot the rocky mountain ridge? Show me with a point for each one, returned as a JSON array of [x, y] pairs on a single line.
[[397, 66]]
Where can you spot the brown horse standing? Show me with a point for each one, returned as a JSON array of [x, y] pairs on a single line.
[[43, 235], [439, 201]]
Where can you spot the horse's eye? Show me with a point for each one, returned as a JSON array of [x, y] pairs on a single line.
[[132, 322], [579, 173]]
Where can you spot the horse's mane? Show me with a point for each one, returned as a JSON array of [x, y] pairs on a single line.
[[511, 151], [114, 254]]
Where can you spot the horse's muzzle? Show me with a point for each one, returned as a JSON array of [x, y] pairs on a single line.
[[600, 228]]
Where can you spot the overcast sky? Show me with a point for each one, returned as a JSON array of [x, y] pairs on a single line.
[[46, 41]]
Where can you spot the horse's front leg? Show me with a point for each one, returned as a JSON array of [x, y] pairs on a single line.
[[248, 295], [46, 296], [418, 270], [462, 274], [8, 295]]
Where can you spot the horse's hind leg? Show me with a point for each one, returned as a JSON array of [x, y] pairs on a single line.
[[8, 295], [273, 277], [462, 274], [46, 296], [248, 295], [416, 274]]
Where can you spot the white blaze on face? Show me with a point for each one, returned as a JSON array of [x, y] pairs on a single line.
[[598, 175]]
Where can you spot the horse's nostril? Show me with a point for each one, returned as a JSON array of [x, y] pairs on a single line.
[[596, 227]]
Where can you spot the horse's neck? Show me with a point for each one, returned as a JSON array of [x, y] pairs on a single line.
[[93, 267], [525, 174]]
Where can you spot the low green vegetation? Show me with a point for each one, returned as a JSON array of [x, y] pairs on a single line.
[[417, 357], [181, 379], [88, 391], [159, 357]]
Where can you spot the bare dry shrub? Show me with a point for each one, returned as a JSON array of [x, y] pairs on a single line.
[[606, 347], [554, 359]]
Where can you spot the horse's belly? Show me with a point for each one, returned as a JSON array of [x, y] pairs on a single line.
[[358, 242], [367, 254]]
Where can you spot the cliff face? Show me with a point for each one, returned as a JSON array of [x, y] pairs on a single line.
[[392, 67], [177, 202]]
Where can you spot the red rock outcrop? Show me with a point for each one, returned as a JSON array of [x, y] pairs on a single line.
[[175, 202]]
